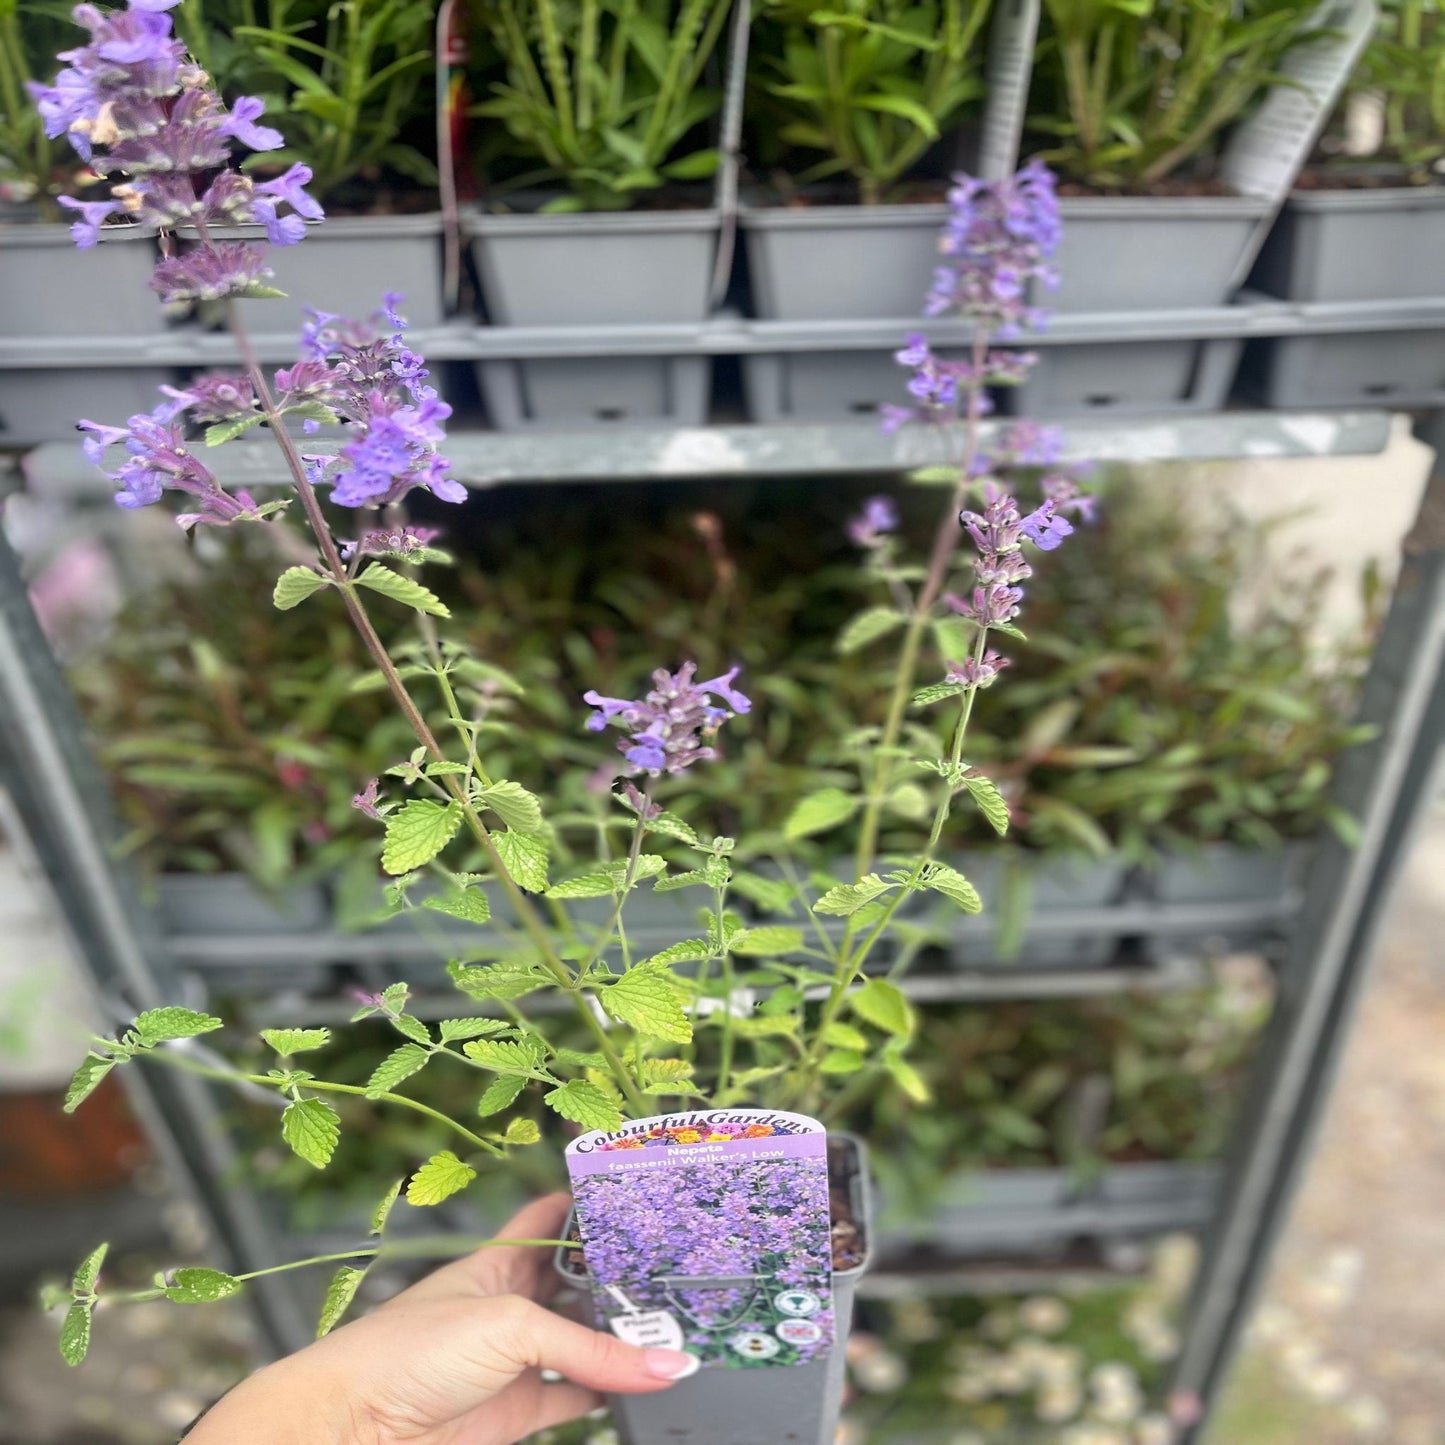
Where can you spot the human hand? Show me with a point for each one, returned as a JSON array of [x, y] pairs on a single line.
[[454, 1360]]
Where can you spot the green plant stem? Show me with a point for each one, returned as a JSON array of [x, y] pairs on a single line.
[[633, 854], [944, 543], [443, 1247], [180, 1060], [361, 620]]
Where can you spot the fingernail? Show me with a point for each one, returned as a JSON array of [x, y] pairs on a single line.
[[671, 1364]]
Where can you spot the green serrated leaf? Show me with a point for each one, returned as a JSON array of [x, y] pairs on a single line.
[[524, 856], [198, 1286], [382, 1212], [394, 997], [412, 1028], [311, 1127], [513, 804], [666, 1071], [672, 826], [521, 1056], [468, 904], [454, 1030], [400, 1064], [287, 1042], [769, 942], [953, 885], [223, 431], [86, 1080], [841, 1061], [868, 626], [848, 898], [985, 793], [584, 1104], [439, 1178], [845, 1036], [818, 812], [500, 1094], [295, 585], [909, 1080], [417, 832], [339, 1295], [75, 1333], [522, 1131], [940, 690], [690, 950], [402, 589], [695, 878], [649, 998], [157, 1025], [589, 885], [498, 981], [885, 1006], [82, 1282]]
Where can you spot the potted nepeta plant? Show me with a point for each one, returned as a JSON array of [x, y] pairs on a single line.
[[350, 88], [1141, 109], [51, 304], [1365, 227], [844, 107], [677, 1025], [599, 211]]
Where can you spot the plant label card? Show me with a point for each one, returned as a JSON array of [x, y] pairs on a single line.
[[710, 1232]]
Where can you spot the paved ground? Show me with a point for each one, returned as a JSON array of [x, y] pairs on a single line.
[[1349, 1346], [1350, 1343]]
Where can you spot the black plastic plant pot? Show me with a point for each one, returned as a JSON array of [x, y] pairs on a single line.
[[796, 1405]]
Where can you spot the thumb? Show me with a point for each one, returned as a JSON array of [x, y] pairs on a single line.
[[531, 1337]]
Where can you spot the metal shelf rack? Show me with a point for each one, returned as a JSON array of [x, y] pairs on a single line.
[[60, 797]]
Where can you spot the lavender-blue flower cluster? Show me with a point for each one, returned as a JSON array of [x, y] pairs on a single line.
[[670, 727], [130, 101]]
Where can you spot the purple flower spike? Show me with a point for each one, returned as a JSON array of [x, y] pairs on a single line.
[[241, 124], [211, 273], [672, 726], [93, 215], [1045, 528], [878, 518], [288, 188], [280, 230]]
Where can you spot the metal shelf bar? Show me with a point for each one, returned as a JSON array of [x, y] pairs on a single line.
[[58, 470]]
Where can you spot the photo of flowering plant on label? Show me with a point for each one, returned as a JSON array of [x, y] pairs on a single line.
[[712, 1226], [711, 1231]]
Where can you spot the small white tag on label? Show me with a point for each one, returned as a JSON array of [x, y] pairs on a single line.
[[652, 1329], [799, 1332], [799, 1302]]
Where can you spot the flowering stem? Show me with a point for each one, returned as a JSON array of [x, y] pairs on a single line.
[[361, 620], [944, 543], [614, 924]]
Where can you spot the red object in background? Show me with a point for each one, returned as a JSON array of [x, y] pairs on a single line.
[[48, 1154]]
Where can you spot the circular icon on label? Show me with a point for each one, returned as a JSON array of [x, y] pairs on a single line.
[[800, 1332], [798, 1302], [754, 1345]]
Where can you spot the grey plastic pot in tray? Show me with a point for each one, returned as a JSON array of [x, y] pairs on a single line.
[[49, 288], [52, 288], [1128, 378], [1356, 245], [1039, 1211], [1223, 873], [345, 266], [1351, 354], [1151, 253], [43, 404], [230, 903], [594, 270], [793, 1405], [834, 263]]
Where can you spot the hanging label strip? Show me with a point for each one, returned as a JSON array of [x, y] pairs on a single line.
[[709, 1232]]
